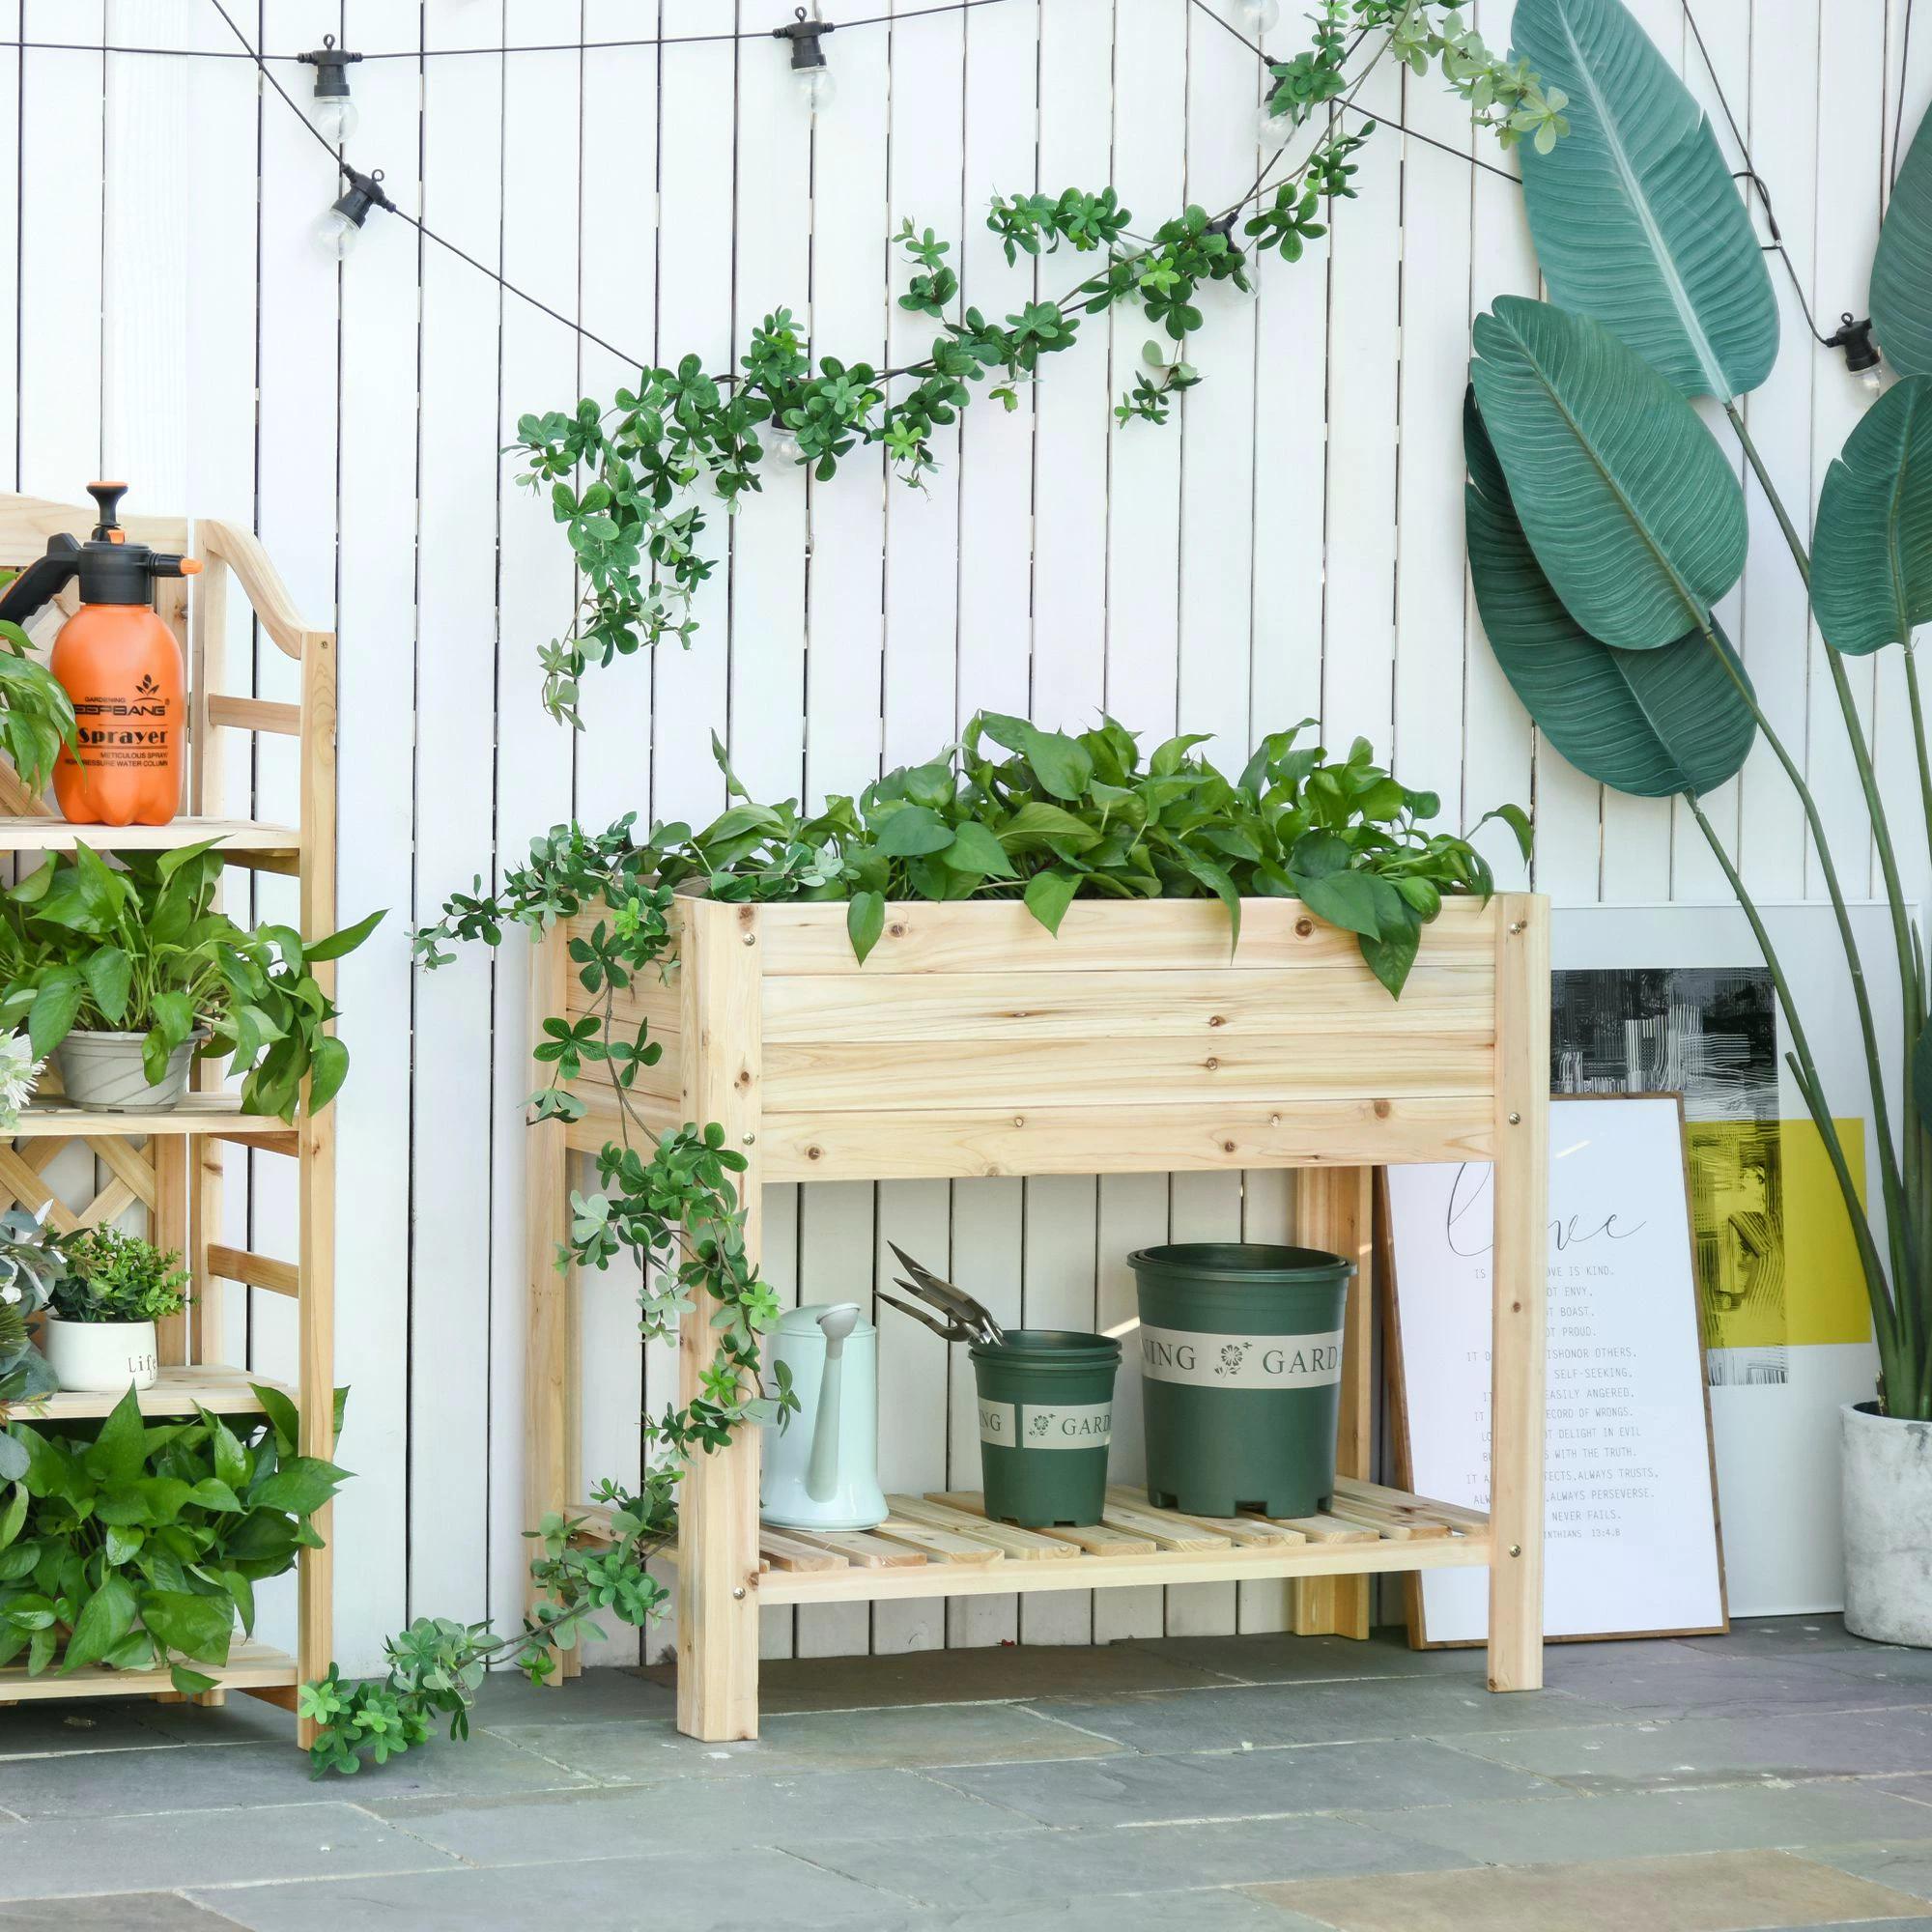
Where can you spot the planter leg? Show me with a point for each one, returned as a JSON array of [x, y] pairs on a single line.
[[1521, 1291], [718, 1495], [1334, 1211]]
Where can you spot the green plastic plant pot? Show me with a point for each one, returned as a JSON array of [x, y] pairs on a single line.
[[1241, 1375], [1046, 1421]]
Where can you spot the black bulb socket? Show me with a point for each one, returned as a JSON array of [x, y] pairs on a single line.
[[1855, 338], [805, 37], [363, 192], [332, 68]]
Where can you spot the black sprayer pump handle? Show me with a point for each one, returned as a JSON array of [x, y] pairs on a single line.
[[109, 496], [41, 580]]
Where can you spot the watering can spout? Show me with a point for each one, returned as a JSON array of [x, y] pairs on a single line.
[[821, 1472]]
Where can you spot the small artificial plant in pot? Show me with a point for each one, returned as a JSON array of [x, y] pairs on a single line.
[[98, 1336], [31, 1263], [123, 973], [1605, 520]]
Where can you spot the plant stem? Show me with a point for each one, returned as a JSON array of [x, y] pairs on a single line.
[[1901, 1222], [1884, 1316]]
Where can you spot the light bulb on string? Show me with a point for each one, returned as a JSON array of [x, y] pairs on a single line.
[[1272, 130], [780, 443], [336, 229], [1260, 16], [808, 71], [1861, 356], [332, 113]]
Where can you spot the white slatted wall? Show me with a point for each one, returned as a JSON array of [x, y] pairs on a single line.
[[1289, 544]]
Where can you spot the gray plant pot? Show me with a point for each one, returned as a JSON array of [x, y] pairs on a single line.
[[104, 1071], [1886, 1468]]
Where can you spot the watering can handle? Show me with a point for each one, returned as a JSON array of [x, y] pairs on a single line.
[[821, 1470]]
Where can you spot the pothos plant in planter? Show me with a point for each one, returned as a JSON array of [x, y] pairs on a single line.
[[1605, 521], [136, 955], [137, 1544]]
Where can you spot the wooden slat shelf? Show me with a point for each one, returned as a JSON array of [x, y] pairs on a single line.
[[1367, 1529], [179, 1391], [162, 1161], [265, 847], [219, 1113], [250, 1666], [1140, 1040]]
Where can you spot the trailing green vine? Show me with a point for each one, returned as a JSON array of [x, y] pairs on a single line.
[[682, 434], [1344, 834]]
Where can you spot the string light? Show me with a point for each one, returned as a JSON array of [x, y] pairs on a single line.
[[808, 71], [1260, 16], [334, 114], [1861, 356], [337, 230]]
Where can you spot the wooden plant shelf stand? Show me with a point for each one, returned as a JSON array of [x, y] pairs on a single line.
[[157, 1161], [973, 1043]]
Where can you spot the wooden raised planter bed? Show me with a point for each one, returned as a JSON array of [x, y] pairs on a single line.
[[973, 1042]]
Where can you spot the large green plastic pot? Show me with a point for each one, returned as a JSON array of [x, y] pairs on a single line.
[[1241, 1375], [1047, 1420]]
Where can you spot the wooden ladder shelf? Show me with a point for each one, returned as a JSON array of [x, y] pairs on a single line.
[[159, 1162], [973, 1042]]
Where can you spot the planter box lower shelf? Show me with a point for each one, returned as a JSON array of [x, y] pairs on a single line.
[[941, 1545], [252, 1667]]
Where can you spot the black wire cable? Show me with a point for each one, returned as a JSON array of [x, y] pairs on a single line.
[[1898, 112], [1749, 172], [402, 214], [1381, 120]]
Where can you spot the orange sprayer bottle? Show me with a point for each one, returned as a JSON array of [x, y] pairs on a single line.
[[121, 665]]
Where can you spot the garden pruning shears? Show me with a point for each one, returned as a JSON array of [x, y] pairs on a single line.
[[965, 1320]]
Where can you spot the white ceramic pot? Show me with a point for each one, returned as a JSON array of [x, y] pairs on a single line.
[[100, 1357], [105, 1070], [1886, 1468]]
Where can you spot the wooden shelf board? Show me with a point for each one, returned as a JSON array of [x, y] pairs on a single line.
[[1415, 1534], [179, 1391], [250, 1666], [241, 835], [196, 1114]]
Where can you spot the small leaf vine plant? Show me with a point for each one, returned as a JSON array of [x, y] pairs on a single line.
[[630, 483]]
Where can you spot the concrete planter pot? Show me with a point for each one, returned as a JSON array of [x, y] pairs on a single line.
[[104, 1071], [100, 1357], [1886, 1468]]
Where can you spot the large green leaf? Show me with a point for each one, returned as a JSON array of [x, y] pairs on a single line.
[[1648, 722], [1871, 552], [1637, 218], [1632, 510], [1901, 277]]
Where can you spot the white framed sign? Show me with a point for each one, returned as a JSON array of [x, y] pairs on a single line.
[[1631, 1542]]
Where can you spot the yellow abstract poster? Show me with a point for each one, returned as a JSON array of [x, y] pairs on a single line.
[[1776, 1265]]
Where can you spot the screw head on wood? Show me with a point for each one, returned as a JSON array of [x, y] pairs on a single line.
[[748, 939], [1517, 924], [750, 1139], [1516, 1549], [1515, 1120], [738, 1595]]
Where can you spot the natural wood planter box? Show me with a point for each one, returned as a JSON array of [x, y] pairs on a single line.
[[973, 1043]]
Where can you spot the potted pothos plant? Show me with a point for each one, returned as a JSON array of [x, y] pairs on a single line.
[[1605, 521], [138, 1546], [99, 1334], [123, 973]]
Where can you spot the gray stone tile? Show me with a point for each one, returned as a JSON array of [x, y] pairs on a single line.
[[1795, 1635], [1010, 1672], [1706, 1891], [1681, 1753], [1277, 1658], [1244, 1784], [57, 1858], [718, 1813], [1904, 1865], [1727, 1818], [912, 1735], [599, 1697], [40, 1729], [1148, 1911], [1318, 1713], [694, 1891], [155, 1778], [1009, 1867], [122, 1911], [1666, 1679]]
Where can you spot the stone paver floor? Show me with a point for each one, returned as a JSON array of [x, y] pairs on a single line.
[[1777, 1778]]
